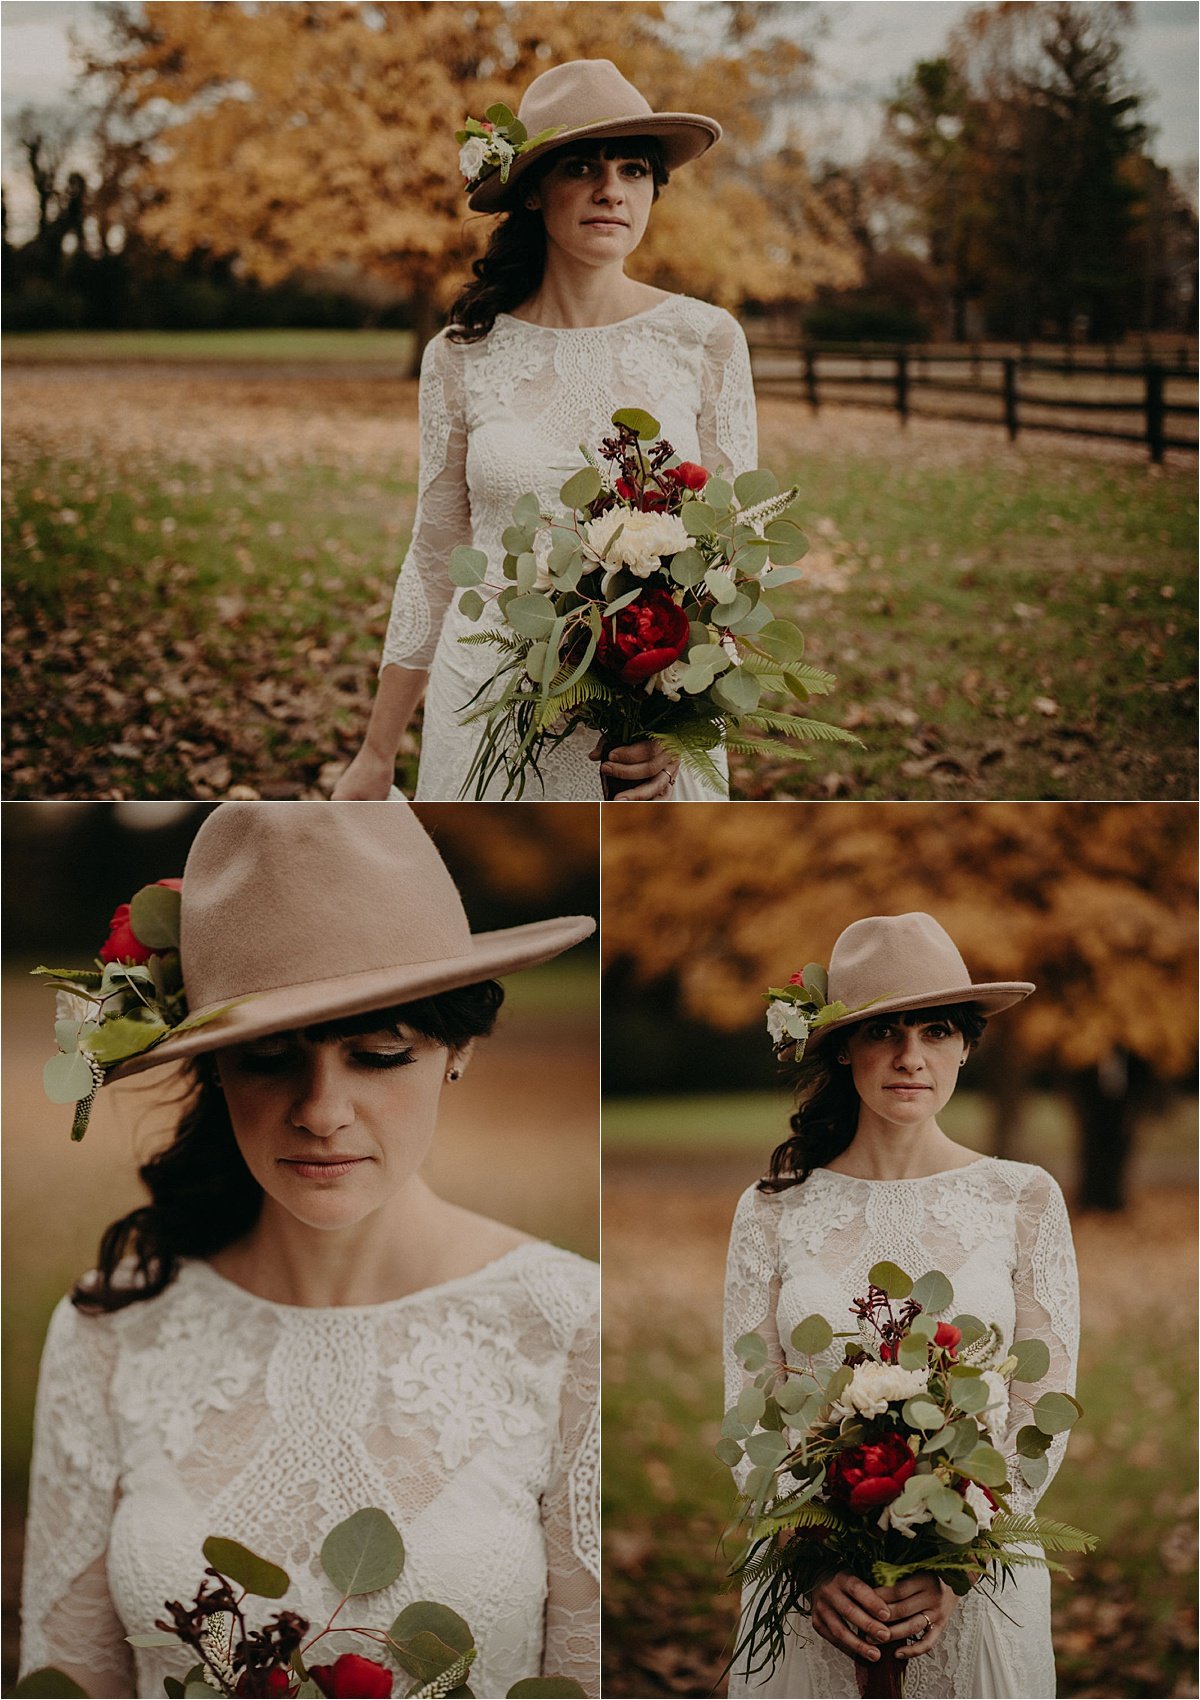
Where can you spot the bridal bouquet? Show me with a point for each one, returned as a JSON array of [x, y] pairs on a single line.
[[890, 1464], [639, 612], [431, 1644]]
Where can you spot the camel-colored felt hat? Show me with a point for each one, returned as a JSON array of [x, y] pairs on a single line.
[[885, 963], [298, 913], [588, 100]]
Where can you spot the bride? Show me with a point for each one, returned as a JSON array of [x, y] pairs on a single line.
[[543, 347], [295, 1326], [867, 1176]]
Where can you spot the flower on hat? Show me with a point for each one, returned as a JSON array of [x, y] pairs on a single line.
[[801, 1008], [492, 143]]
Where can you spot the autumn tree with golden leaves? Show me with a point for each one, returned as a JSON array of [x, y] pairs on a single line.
[[1094, 902], [299, 137]]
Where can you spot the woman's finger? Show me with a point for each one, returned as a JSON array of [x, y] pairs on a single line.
[[630, 769], [926, 1640], [867, 1598], [653, 791], [842, 1632]]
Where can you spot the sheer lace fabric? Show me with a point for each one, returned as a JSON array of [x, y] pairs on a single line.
[[999, 1231], [467, 1412], [508, 414]]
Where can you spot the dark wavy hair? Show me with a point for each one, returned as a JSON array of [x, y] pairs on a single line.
[[202, 1195], [512, 267], [826, 1117]]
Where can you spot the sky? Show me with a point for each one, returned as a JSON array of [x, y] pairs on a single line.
[[863, 48]]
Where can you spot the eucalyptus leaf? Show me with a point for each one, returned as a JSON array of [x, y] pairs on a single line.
[[732, 1426], [754, 487], [720, 586], [581, 488], [471, 604], [637, 419], [125, 1036], [236, 1562], [970, 1328], [969, 1394], [890, 1279], [778, 574], [984, 1464], [173, 1688], [527, 572], [427, 1617], [1031, 1442], [688, 567], [622, 602], [738, 690], [154, 917], [729, 1451], [752, 1350], [527, 510], [48, 1683], [933, 1292], [467, 566], [363, 1553], [532, 615], [733, 613], [923, 1414], [751, 1404], [67, 1078], [925, 1327], [1033, 1359], [1033, 1471], [1054, 1413], [767, 1448], [758, 1482], [913, 1352], [517, 539], [698, 518], [786, 544], [811, 1336]]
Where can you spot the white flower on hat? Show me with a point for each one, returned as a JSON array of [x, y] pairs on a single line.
[[472, 157], [872, 1387], [785, 1021], [644, 539]]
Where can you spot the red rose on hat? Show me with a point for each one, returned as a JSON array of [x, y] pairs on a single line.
[[122, 943], [644, 638], [352, 1675], [864, 1477]]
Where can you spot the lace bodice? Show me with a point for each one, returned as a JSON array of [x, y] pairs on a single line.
[[999, 1231], [506, 415], [466, 1411]]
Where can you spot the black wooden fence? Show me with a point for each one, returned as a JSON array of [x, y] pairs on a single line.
[[1019, 391]]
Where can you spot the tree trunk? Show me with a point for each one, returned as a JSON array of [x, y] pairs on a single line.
[[427, 322], [1008, 1100], [1107, 1101]]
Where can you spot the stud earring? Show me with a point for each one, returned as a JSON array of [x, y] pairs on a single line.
[[842, 1057], [454, 1074]]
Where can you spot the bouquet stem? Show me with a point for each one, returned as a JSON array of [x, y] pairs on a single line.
[[881, 1678], [609, 783]]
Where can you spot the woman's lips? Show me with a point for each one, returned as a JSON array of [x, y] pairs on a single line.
[[909, 1086], [323, 1168]]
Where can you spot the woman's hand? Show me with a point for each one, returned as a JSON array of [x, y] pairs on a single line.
[[646, 761], [853, 1616], [921, 1606], [368, 779]]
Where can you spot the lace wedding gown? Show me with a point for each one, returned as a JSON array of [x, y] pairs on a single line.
[[999, 1231], [506, 415], [466, 1411]]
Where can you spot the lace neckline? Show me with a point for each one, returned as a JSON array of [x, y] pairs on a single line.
[[912, 1180], [579, 330], [485, 1272]]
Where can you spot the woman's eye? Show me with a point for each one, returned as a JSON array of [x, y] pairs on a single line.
[[635, 168], [383, 1059], [937, 1031], [266, 1062]]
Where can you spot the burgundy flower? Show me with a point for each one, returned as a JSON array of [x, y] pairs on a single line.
[[644, 638], [353, 1676], [687, 473], [864, 1477], [122, 943]]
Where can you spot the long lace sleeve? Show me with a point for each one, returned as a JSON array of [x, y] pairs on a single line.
[[751, 1293], [68, 1619], [728, 422], [1047, 1298], [571, 1522], [443, 516]]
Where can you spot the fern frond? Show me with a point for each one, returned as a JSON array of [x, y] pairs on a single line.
[[692, 744], [763, 747], [1043, 1532], [814, 679], [797, 726]]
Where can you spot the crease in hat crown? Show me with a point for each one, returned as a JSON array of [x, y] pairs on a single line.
[[585, 99], [295, 913]]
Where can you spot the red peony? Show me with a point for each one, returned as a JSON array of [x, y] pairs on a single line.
[[355, 1676], [649, 502], [866, 1477], [948, 1337], [122, 943], [687, 473], [644, 638]]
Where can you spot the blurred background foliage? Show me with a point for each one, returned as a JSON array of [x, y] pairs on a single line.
[[230, 165], [1092, 1078], [517, 1139]]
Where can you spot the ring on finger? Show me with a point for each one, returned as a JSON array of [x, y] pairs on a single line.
[[928, 1623]]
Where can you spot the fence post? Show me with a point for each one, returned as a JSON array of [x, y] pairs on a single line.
[[902, 385], [1010, 397], [1155, 413], [810, 376]]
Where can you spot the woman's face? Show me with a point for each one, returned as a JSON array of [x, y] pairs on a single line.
[[333, 1128], [905, 1071], [595, 210]]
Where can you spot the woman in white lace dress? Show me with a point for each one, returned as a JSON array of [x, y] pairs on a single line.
[[868, 1175], [543, 347], [296, 1327]]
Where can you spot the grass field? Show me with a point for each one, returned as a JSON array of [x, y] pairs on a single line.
[[1125, 1626], [203, 534]]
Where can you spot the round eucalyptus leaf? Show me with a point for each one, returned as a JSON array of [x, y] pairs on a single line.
[[154, 917], [732, 613], [752, 1350], [1033, 1471], [718, 493], [1031, 1442], [729, 1452], [924, 1326], [913, 1352], [969, 1393], [1033, 1359], [698, 518], [923, 1414], [532, 615], [1054, 1413], [767, 1448], [471, 604], [758, 1482], [890, 1279], [581, 488], [811, 1336], [933, 1292], [257, 1575], [732, 1426], [688, 567], [970, 1328], [66, 1079], [752, 1402], [427, 1617], [737, 690], [467, 566], [791, 1395], [637, 419], [754, 487], [363, 1553], [153, 1638], [984, 1464], [527, 510]]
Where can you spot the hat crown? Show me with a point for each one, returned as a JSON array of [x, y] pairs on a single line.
[[884, 957], [579, 93], [290, 894]]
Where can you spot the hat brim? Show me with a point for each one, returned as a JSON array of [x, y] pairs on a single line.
[[990, 997], [285, 1007], [684, 136]]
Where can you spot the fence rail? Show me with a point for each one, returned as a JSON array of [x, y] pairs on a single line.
[[1022, 387]]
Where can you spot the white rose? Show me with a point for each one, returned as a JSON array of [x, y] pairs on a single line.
[[668, 681], [980, 1505], [873, 1386], [995, 1418], [472, 157], [905, 1522], [543, 542], [785, 1021], [644, 539]]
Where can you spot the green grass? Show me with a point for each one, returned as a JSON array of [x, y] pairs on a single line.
[[256, 347]]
